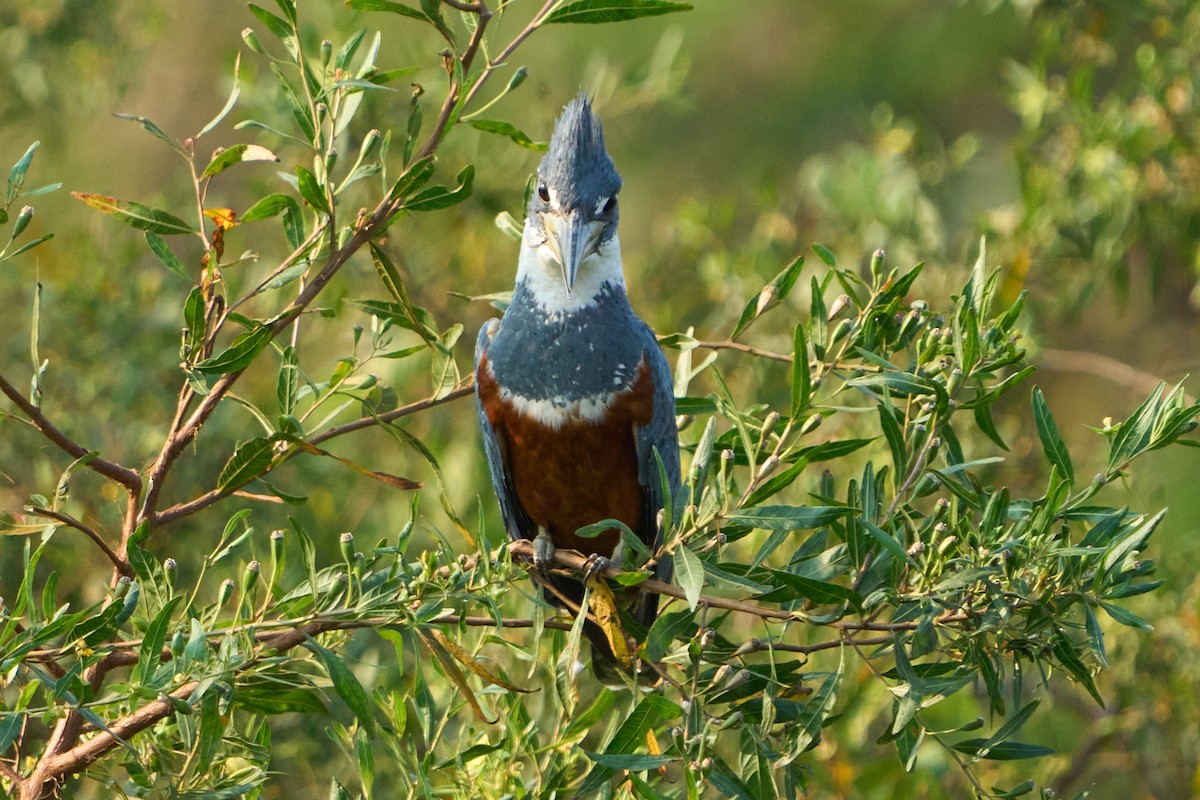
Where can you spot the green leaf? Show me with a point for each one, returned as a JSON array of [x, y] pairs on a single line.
[[689, 574], [801, 374], [417, 175], [594, 713], [240, 353], [438, 197], [1126, 617], [1052, 443], [631, 762], [270, 699], [171, 261], [233, 96], [631, 735], [223, 159], [601, 11], [796, 587], [136, 215], [248, 461], [825, 254], [16, 175], [311, 190], [345, 684], [905, 384], [501, 128], [386, 5], [1006, 751], [276, 25], [666, 629], [152, 129], [288, 386], [788, 518], [150, 653], [269, 206]]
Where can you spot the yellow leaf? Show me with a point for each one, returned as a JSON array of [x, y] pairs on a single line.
[[468, 661], [223, 218], [603, 606]]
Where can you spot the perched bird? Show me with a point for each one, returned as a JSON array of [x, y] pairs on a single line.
[[575, 396]]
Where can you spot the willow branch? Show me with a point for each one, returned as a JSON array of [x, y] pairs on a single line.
[[745, 348], [122, 475], [1101, 366], [121, 564], [180, 510], [523, 548]]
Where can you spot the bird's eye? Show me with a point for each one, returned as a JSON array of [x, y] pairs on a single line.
[[611, 205], [543, 192]]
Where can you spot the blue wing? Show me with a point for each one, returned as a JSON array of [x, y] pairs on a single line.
[[510, 509], [659, 435]]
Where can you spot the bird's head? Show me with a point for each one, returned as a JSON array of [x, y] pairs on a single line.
[[573, 207]]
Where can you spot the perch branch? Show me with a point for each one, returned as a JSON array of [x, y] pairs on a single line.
[[122, 475], [121, 564]]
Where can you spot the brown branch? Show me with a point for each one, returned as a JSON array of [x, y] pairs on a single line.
[[121, 564], [9, 774], [1101, 366], [523, 548], [122, 475], [180, 510], [745, 348]]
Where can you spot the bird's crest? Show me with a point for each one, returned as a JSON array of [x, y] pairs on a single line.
[[577, 166]]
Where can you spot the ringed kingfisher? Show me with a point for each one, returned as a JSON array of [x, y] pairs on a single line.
[[574, 395]]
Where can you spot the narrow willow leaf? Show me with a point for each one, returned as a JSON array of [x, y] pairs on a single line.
[[160, 248], [1006, 751], [689, 574], [270, 206], [248, 461], [591, 12], [233, 96], [788, 518], [825, 254], [1052, 443], [501, 128], [152, 129], [16, 175], [438, 197], [239, 354], [801, 373], [288, 386], [311, 190], [223, 159], [346, 685], [136, 215]]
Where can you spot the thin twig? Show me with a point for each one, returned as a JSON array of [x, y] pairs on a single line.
[[1101, 366], [121, 564], [745, 348], [180, 510], [122, 475]]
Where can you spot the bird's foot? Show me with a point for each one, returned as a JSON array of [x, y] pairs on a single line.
[[543, 551], [595, 565]]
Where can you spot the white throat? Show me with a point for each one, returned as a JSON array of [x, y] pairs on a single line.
[[541, 271]]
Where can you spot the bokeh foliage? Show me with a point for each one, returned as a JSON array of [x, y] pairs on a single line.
[[854, 486]]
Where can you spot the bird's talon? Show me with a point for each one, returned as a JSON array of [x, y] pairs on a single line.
[[595, 565], [543, 551]]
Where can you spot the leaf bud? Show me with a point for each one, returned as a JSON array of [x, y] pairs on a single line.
[[250, 576], [839, 302], [811, 424], [225, 592], [276, 546], [370, 144], [252, 41], [877, 263], [326, 52], [346, 543], [517, 78], [22, 221]]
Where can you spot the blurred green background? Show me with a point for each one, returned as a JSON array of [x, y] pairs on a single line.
[[1064, 131]]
